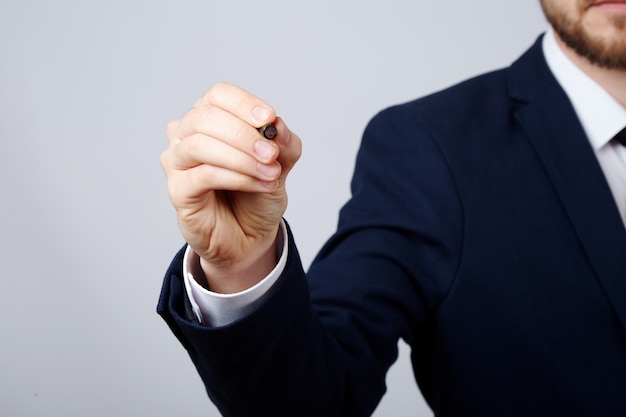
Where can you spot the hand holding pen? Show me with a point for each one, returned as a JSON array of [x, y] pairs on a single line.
[[227, 183]]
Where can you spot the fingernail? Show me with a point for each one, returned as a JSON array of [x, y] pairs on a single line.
[[269, 171], [270, 185], [263, 149], [261, 114], [284, 139]]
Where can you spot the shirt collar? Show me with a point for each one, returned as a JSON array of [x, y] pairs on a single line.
[[599, 113]]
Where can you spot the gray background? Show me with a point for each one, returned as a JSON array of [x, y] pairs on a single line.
[[86, 227]]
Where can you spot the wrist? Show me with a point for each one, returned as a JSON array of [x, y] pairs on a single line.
[[243, 274]]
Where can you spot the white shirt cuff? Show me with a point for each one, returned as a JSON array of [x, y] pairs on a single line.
[[214, 309]]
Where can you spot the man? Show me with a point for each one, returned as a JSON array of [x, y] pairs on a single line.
[[486, 228]]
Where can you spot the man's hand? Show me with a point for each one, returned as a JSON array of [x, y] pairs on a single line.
[[227, 183]]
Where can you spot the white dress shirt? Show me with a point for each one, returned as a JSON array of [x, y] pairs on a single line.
[[214, 309], [601, 117], [600, 114]]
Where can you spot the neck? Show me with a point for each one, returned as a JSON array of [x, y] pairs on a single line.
[[612, 80]]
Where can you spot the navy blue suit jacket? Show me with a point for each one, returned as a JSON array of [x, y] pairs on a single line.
[[481, 231]]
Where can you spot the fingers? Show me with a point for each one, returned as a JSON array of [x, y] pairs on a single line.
[[290, 147], [219, 145], [213, 121], [190, 187], [228, 114], [260, 162], [240, 103]]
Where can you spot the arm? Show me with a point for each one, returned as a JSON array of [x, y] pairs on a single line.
[[321, 344]]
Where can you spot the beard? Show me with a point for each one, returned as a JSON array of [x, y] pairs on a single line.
[[600, 50]]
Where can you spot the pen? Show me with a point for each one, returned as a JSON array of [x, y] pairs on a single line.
[[268, 131]]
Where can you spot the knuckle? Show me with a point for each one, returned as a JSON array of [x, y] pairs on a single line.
[[240, 161], [201, 116], [170, 129], [203, 177], [220, 85], [241, 181], [239, 132], [193, 145], [164, 159], [174, 190], [218, 88], [194, 114]]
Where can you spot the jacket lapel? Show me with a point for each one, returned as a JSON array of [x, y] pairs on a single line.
[[552, 126]]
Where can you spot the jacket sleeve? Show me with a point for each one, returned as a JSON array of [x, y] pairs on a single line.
[[322, 342]]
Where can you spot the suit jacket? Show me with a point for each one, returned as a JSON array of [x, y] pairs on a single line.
[[482, 231]]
